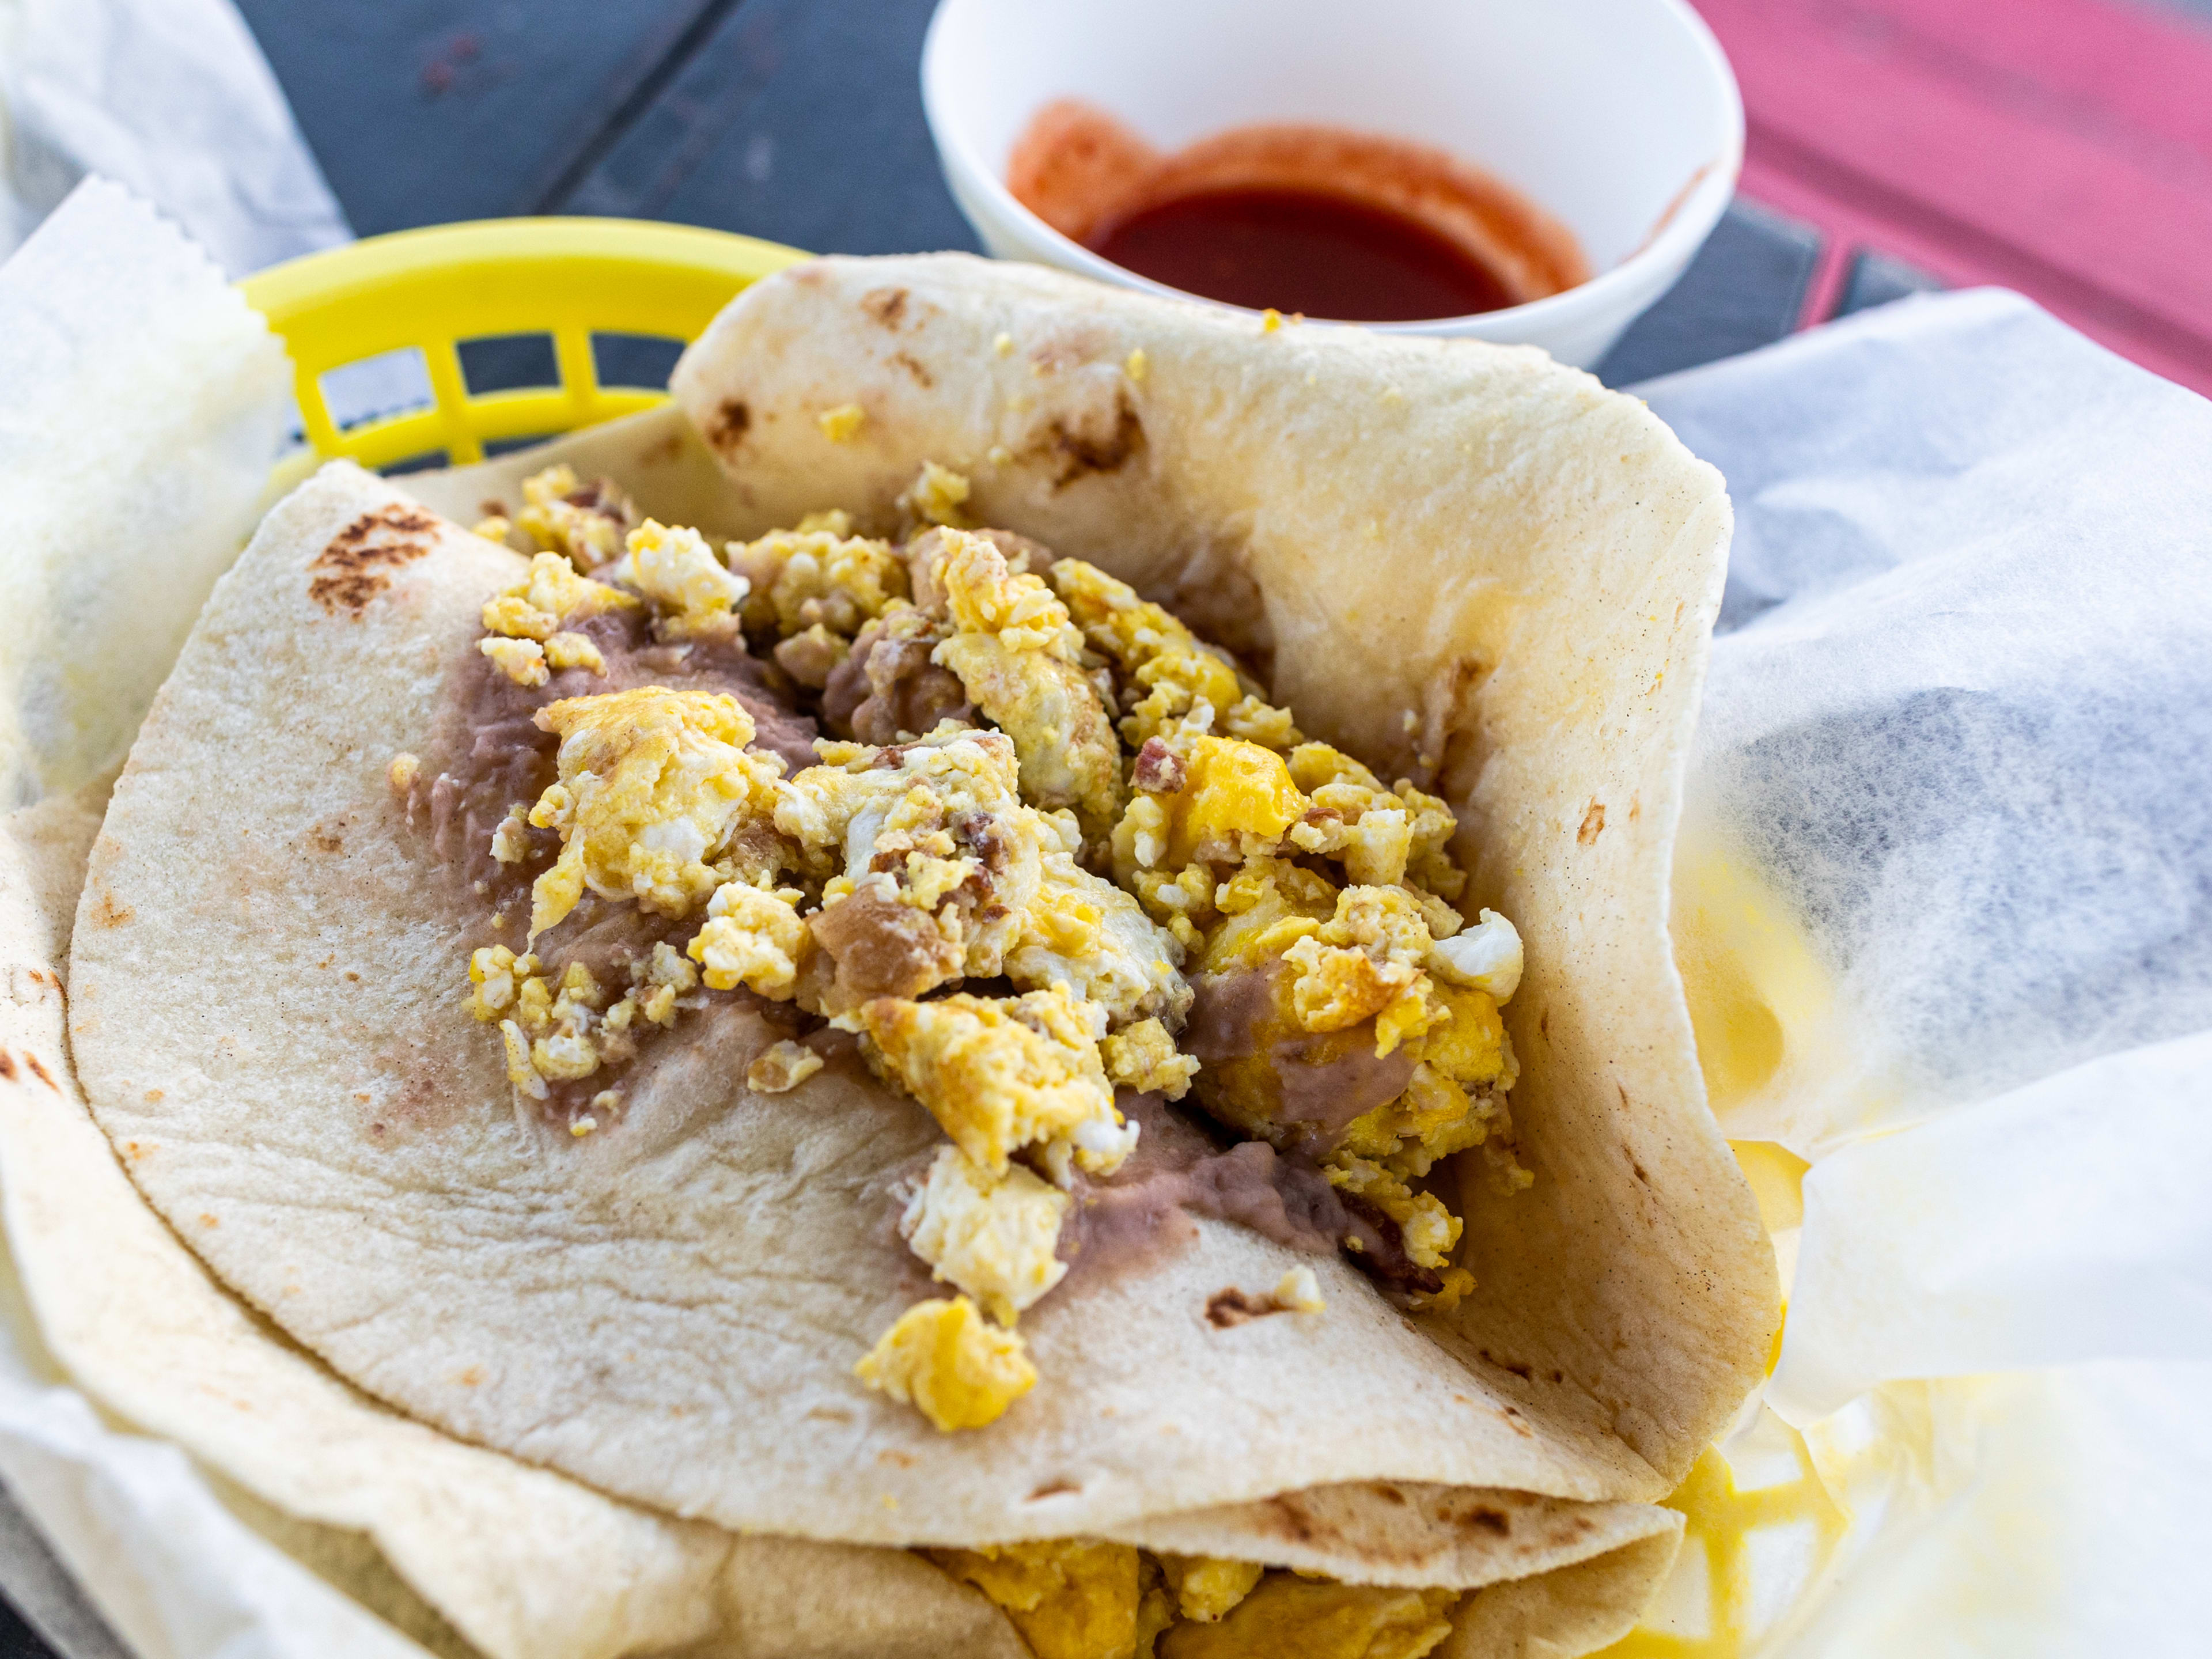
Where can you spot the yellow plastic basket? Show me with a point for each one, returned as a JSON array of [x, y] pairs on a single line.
[[572, 278], [433, 290]]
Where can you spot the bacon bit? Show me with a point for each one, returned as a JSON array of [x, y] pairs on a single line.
[[1159, 770]]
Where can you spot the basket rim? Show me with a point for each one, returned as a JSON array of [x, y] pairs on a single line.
[[313, 280]]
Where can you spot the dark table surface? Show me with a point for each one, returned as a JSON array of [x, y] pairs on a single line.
[[797, 120]]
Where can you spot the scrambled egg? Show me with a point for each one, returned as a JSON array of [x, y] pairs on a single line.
[[843, 809], [1081, 931], [937, 495], [1292, 1617], [780, 1068], [550, 596], [522, 661], [995, 1237], [1144, 1058], [1236, 800], [824, 577], [752, 936], [945, 1360], [1071, 1598], [1185, 682], [1204, 1587], [1084, 1598], [652, 785], [1429, 1229], [692, 594], [574, 650], [1486, 956], [1019, 657], [937, 857], [1069, 757], [570, 1031], [1003, 1074], [1385, 950], [983, 595], [562, 516], [867, 888], [1366, 962], [1382, 836], [1298, 1291]]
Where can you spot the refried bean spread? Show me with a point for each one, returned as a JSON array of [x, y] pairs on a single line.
[[1143, 950]]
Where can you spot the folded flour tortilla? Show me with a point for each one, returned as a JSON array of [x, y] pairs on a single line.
[[673, 1316], [468, 1551]]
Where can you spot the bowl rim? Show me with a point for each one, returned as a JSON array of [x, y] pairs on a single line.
[[980, 193]]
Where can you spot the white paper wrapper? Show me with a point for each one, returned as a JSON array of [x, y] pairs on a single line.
[[145, 405], [170, 97], [123, 509], [1942, 905], [1961, 723]]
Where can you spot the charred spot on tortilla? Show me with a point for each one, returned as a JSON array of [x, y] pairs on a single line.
[[912, 366], [388, 536], [731, 422], [1078, 448], [1593, 824], [354, 566], [350, 593], [6, 1066], [1293, 1518], [1297, 1292], [1231, 1306], [39, 1071], [886, 305]]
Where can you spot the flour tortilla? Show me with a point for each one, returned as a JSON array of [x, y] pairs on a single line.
[[671, 1312], [466, 1275], [464, 1549], [1457, 560]]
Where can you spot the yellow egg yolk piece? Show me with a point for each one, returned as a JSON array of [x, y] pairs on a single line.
[[1237, 799], [652, 785], [1071, 1598], [1288, 1617], [944, 1358], [999, 1074]]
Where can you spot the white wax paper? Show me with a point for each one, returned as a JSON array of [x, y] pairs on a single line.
[[170, 97], [1944, 892], [145, 404], [1961, 717], [173, 1571]]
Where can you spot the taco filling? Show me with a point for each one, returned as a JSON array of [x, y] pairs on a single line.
[[1053, 859]]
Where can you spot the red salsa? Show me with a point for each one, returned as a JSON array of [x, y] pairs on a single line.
[[1355, 227], [1307, 250]]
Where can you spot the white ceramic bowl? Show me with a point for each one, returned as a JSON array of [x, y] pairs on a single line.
[[1620, 116]]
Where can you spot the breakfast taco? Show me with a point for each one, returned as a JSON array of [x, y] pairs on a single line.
[[1081, 986]]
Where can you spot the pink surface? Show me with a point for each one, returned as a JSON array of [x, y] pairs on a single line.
[[2060, 147]]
